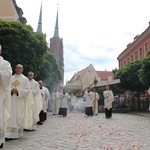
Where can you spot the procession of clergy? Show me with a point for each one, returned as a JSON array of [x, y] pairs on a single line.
[[24, 102]]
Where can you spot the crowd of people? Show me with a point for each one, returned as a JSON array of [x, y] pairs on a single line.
[[132, 102], [24, 102]]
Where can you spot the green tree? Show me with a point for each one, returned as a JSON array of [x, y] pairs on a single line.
[[114, 72], [50, 72], [144, 72], [21, 45], [128, 76]]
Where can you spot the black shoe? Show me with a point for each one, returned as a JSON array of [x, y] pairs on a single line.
[[39, 123], [28, 130], [10, 139], [1, 146]]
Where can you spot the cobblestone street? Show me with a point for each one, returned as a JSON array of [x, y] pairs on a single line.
[[79, 132]]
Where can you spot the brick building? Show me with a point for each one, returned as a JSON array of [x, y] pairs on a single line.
[[137, 49]]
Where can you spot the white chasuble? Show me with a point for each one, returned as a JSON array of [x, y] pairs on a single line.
[[5, 101], [108, 99], [37, 100], [55, 102], [21, 107], [95, 102], [47, 96]]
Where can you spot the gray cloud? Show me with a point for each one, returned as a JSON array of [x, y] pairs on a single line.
[[75, 61]]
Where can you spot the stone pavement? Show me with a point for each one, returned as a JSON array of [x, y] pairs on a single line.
[[140, 113], [79, 132]]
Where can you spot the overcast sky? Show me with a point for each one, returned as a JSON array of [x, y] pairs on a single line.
[[93, 31]]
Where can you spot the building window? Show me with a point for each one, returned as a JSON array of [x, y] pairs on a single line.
[[140, 53], [124, 63], [131, 57], [136, 56], [127, 60], [146, 48], [121, 65]]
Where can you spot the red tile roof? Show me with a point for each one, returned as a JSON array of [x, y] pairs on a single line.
[[105, 74], [79, 74]]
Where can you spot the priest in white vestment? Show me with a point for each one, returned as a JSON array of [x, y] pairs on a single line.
[[95, 102], [108, 100], [88, 97], [48, 102], [64, 98], [37, 99], [55, 102], [5, 101], [45, 97], [21, 105], [48, 96]]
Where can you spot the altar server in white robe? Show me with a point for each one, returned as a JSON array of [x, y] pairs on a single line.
[[45, 96], [95, 101], [48, 96], [55, 102], [64, 98], [108, 100], [37, 99], [88, 97], [5, 94], [21, 105]]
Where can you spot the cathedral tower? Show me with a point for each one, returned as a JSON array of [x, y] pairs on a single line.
[[56, 47]]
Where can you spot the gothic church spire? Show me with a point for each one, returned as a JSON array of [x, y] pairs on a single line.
[[39, 28], [56, 32]]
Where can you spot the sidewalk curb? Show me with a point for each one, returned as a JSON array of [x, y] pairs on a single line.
[[144, 114]]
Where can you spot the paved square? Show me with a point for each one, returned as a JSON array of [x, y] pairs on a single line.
[[79, 132]]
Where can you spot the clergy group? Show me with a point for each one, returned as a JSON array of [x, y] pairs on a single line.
[[23, 102]]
